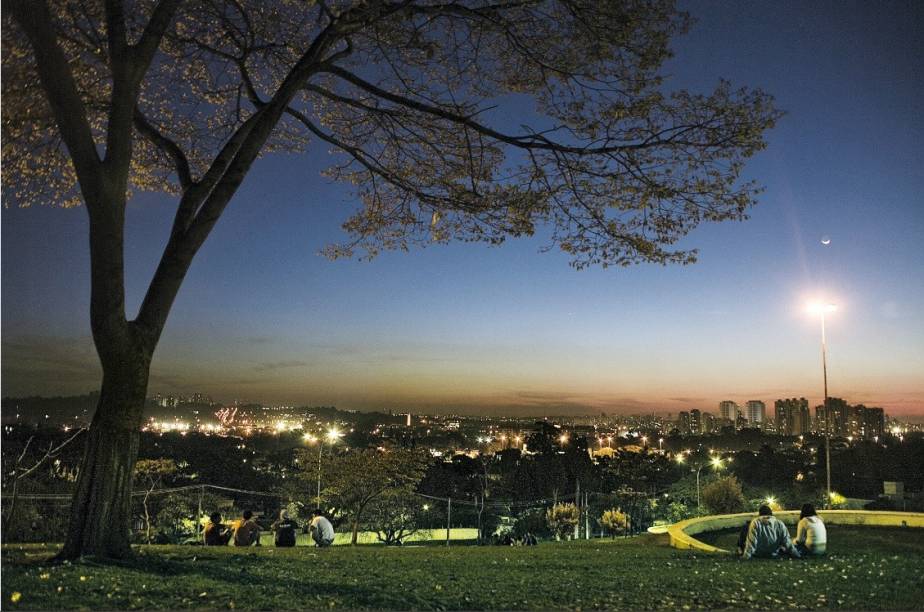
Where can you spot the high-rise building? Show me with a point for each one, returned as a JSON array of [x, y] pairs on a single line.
[[846, 420], [838, 417], [756, 413], [728, 410], [872, 422], [683, 422], [696, 422], [710, 424], [791, 416]]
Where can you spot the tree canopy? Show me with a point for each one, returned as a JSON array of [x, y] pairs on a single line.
[[404, 94]]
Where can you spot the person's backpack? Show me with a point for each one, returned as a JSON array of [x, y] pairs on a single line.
[[285, 534]]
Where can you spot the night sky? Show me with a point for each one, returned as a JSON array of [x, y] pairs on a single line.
[[263, 317]]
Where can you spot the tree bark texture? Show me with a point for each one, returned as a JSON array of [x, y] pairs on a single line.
[[101, 508]]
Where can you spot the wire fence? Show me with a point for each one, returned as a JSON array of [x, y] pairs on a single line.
[[176, 515]]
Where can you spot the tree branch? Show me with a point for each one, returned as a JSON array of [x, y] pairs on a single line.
[[169, 147], [58, 83], [143, 52]]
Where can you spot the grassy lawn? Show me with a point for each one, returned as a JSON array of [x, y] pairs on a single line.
[[867, 568]]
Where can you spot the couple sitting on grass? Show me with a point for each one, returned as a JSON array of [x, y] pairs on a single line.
[[767, 537], [246, 532]]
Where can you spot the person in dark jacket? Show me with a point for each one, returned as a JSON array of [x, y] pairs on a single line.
[[215, 533], [284, 530]]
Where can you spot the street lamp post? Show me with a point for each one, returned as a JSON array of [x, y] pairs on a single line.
[[715, 462], [332, 436], [821, 309]]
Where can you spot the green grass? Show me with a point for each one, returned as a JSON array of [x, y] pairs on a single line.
[[867, 568]]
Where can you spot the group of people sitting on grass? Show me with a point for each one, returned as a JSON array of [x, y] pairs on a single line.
[[767, 537], [246, 532]]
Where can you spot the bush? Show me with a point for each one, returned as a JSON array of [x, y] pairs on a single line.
[[394, 518], [615, 521], [531, 521], [724, 496], [561, 519]]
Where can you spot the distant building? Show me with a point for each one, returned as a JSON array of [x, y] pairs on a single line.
[[757, 413], [729, 410], [710, 423], [872, 422], [696, 422], [683, 422], [833, 418], [791, 416], [741, 422]]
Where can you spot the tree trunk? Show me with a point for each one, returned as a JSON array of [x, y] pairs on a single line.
[[147, 518], [355, 534], [101, 508], [11, 507]]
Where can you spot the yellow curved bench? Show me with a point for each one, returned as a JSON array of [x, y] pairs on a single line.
[[682, 533]]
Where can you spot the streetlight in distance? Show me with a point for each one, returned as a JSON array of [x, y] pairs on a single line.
[[332, 436], [715, 462], [820, 309]]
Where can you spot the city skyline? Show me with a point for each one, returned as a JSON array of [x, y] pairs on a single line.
[[511, 330]]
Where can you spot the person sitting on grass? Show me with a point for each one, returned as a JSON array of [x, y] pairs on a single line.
[[811, 535], [322, 532], [284, 530], [215, 534], [743, 536], [246, 531], [768, 537]]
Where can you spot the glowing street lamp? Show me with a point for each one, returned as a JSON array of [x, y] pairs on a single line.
[[715, 462], [661, 444], [820, 309], [563, 439], [332, 436]]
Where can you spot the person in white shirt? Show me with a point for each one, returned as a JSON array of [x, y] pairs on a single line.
[[811, 535], [322, 532]]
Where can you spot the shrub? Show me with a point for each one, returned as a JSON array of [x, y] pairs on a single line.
[[531, 521], [724, 496], [561, 519], [615, 521]]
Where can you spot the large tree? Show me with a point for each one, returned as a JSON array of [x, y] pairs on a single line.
[[359, 479], [181, 96]]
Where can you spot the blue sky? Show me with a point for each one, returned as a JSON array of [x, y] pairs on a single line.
[[262, 316]]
